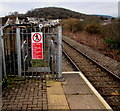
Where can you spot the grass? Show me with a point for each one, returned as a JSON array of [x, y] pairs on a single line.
[[95, 41], [113, 43], [39, 63], [10, 81]]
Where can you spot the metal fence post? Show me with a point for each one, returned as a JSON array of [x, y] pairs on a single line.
[[18, 51], [1, 55], [59, 54], [52, 56], [3, 52], [1, 69]]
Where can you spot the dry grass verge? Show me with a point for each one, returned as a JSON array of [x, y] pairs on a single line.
[[94, 41]]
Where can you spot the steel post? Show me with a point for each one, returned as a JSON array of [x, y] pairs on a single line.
[[2, 59], [59, 54], [3, 52], [18, 51], [1, 34], [52, 56]]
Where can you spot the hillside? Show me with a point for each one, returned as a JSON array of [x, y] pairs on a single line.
[[54, 13]]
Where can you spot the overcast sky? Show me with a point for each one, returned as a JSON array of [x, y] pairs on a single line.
[[104, 7]]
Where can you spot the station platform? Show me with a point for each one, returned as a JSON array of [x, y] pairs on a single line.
[[76, 92]]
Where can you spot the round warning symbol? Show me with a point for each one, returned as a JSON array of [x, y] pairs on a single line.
[[37, 37]]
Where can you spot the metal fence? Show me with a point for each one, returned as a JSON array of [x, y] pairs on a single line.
[[17, 52]]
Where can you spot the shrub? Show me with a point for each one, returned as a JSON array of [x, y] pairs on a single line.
[[93, 28], [113, 43], [72, 25], [111, 31]]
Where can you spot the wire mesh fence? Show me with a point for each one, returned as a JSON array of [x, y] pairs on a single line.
[[17, 51]]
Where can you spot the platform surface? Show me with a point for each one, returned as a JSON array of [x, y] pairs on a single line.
[[78, 94], [73, 93], [35, 94]]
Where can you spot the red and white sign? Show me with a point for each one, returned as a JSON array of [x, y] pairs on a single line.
[[37, 45]]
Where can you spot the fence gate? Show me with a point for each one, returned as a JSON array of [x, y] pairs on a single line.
[[30, 51]]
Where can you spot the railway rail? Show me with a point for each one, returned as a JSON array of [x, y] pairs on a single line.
[[105, 82], [75, 67]]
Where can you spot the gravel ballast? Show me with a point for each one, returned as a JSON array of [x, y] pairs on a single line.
[[66, 67]]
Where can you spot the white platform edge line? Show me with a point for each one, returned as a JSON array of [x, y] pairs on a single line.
[[92, 88], [95, 92]]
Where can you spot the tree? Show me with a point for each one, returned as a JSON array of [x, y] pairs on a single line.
[[14, 13], [73, 25]]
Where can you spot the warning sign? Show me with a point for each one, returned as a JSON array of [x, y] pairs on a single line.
[[37, 45]]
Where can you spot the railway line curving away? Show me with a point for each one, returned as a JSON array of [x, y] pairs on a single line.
[[105, 80]]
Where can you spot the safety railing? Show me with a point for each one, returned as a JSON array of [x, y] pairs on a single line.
[[16, 51]]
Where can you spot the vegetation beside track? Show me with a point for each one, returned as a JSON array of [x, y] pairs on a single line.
[[91, 32]]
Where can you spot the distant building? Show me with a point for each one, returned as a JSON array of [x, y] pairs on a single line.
[[42, 19], [35, 20], [9, 21], [17, 21], [81, 20], [105, 22]]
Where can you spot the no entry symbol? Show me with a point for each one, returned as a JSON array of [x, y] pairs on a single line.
[[37, 37]]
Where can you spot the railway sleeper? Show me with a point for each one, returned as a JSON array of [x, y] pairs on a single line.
[[104, 83], [99, 80], [111, 94], [95, 75], [108, 86]]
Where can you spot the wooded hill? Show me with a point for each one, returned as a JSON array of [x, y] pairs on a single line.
[[54, 13]]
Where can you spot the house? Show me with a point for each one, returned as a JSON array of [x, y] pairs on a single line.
[[105, 22]]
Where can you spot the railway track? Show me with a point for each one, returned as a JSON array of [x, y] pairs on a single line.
[[75, 67], [105, 82]]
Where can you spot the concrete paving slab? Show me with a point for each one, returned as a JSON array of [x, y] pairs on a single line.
[[57, 100], [55, 91], [55, 107], [84, 102], [79, 94], [73, 79], [51, 83], [55, 95], [77, 90]]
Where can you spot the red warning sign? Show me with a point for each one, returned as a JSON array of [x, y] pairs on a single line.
[[37, 45]]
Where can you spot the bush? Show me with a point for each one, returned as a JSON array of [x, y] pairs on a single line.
[[111, 31], [113, 43], [72, 25], [93, 28]]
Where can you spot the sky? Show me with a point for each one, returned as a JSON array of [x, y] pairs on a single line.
[[102, 7]]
